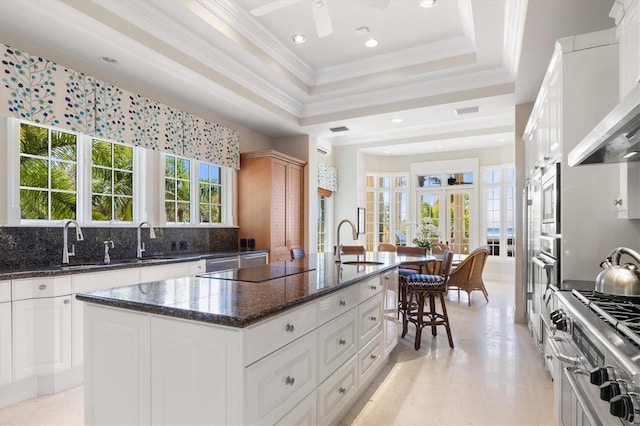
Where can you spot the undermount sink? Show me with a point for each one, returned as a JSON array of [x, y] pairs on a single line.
[[362, 262]]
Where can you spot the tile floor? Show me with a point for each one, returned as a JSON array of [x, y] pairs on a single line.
[[492, 377]]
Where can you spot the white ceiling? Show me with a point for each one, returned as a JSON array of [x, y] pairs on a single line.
[[220, 59]]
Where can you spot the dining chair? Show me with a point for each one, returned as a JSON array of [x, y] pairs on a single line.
[[297, 253], [467, 276], [439, 248], [419, 288], [353, 249], [387, 247]]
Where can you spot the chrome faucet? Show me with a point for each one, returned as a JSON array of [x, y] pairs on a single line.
[[107, 258], [65, 243], [338, 245], [152, 235]]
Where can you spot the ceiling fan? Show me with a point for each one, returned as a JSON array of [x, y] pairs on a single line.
[[320, 11]]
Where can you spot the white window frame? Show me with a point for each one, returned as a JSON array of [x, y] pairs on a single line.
[[504, 186], [392, 190]]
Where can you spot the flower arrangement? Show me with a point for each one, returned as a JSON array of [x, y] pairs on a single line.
[[425, 234]]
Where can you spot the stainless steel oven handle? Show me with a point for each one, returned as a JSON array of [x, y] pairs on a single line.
[[541, 263], [571, 360], [583, 400]]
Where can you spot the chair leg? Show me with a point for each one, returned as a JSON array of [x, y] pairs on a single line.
[[446, 319], [469, 293], [432, 313], [484, 291]]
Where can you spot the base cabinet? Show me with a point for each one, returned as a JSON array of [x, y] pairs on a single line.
[[162, 370], [6, 364]]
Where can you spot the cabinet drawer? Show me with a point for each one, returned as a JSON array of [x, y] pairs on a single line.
[[5, 291], [369, 358], [338, 303], [335, 394], [369, 288], [82, 283], [303, 413], [196, 268], [272, 334], [369, 319], [164, 272], [30, 288], [337, 342], [277, 383]]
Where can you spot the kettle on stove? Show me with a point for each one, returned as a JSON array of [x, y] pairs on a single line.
[[617, 279]]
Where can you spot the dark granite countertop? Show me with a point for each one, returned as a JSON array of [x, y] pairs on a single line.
[[240, 304], [48, 271]]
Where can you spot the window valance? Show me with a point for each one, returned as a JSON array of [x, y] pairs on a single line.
[[327, 177], [44, 92]]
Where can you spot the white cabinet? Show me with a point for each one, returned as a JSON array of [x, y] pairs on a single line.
[[277, 383], [165, 272], [82, 283], [121, 339], [627, 16], [192, 362], [196, 268], [6, 366], [369, 357], [303, 413], [390, 298], [338, 303], [41, 336], [337, 342]]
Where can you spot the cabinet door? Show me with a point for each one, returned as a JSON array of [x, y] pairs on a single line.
[[336, 393], [196, 370], [390, 295], [369, 319], [337, 342], [629, 36], [41, 336], [295, 183], [279, 246], [280, 381], [6, 366]]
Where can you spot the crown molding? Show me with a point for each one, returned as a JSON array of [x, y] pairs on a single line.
[[515, 18]]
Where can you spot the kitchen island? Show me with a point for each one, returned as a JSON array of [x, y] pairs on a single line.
[[297, 347]]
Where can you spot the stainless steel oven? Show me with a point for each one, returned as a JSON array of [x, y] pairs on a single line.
[[545, 273], [550, 203]]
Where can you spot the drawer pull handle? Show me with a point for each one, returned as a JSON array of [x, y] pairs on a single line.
[[343, 303], [67, 301], [342, 390], [374, 356], [373, 287], [342, 342], [42, 287], [290, 380], [373, 318], [289, 328]]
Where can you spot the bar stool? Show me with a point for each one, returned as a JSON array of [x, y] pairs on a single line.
[[418, 288]]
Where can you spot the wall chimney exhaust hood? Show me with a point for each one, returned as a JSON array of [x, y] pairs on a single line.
[[616, 138]]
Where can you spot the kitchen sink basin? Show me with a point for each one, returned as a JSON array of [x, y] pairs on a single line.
[[363, 263]]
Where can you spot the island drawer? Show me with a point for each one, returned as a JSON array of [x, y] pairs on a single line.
[[303, 413], [370, 319], [369, 288], [337, 342], [336, 392], [277, 383], [338, 303], [272, 334], [368, 357]]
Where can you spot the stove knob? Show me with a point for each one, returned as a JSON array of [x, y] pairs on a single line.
[[599, 375], [562, 323], [609, 390], [555, 315], [622, 406]]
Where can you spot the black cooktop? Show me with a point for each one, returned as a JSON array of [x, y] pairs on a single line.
[[257, 274]]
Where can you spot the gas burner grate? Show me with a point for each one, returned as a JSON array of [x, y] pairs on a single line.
[[622, 313]]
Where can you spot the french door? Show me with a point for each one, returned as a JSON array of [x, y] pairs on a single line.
[[450, 212]]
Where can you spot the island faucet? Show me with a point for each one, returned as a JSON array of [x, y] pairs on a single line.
[[65, 240], [152, 235], [338, 245]]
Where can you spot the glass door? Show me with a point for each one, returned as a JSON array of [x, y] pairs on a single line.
[[452, 222]]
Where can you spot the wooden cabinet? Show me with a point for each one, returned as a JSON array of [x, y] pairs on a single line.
[[270, 201]]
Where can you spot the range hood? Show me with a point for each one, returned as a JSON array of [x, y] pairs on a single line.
[[616, 138]]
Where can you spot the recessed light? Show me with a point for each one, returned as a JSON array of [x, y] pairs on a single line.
[[427, 3], [108, 60], [502, 139], [397, 120], [439, 146], [372, 42], [386, 152], [631, 154], [298, 38]]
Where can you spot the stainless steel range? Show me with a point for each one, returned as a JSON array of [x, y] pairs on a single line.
[[595, 349]]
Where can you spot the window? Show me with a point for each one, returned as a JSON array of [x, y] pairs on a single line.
[[210, 193], [387, 208], [111, 181], [48, 164], [499, 210], [177, 200], [322, 222]]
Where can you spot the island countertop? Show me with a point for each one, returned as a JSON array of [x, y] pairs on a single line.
[[234, 303]]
